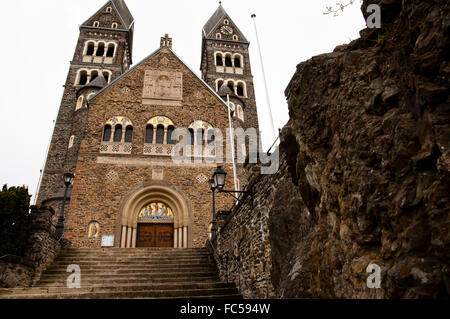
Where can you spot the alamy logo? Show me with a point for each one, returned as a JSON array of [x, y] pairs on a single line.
[[74, 280], [374, 20], [212, 150], [374, 280]]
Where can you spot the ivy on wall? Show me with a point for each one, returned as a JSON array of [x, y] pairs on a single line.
[[15, 220]]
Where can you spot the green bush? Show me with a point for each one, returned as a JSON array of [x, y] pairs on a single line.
[[15, 220]]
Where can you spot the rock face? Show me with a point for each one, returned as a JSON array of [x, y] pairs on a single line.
[[364, 171], [368, 150]]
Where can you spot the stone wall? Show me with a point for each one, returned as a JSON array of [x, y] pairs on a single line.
[[364, 173], [42, 248]]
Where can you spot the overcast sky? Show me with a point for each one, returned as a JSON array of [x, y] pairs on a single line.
[[39, 38]]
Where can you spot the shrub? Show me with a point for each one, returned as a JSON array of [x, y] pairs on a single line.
[[15, 220]]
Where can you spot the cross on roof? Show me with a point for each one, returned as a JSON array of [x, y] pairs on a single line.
[[166, 41]]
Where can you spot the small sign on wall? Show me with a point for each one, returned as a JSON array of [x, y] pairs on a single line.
[[108, 241]]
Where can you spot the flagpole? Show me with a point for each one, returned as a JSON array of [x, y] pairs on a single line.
[[232, 142], [272, 125]]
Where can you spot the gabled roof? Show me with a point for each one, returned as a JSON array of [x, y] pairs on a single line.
[[122, 10], [215, 20], [148, 57]]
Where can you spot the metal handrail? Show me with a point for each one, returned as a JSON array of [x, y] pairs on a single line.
[[239, 268]]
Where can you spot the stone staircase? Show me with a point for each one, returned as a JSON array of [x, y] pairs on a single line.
[[130, 273]]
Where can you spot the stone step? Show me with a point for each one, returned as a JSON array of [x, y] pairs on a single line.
[[124, 265], [116, 288], [125, 259], [141, 270], [135, 251], [154, 256], [127, 280], [143, 276], [178, 293]]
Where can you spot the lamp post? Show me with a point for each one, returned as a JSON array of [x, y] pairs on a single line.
[[68, 180], [213, 187], [218, 181]]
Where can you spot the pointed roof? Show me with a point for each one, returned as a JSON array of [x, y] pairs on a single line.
[[99, 82], [122, 10], [225, 90], [215, 20]]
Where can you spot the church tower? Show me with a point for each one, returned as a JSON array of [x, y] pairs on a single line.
[[102, 53], [225, 66]]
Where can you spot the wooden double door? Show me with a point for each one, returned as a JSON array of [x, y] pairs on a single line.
[[154, 235]]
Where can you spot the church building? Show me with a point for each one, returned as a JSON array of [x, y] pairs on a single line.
[[115, 134]]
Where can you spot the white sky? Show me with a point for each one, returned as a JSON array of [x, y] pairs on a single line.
[[39, 38]]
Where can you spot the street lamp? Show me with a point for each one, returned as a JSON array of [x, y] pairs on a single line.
[[219, 178], [213, 186], [218, 182], [68, 180]]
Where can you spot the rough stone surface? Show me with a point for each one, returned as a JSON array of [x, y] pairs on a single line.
[[367, 169], [41, 250]]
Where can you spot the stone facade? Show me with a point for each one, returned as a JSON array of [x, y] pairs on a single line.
[[71, 120], [364, 173], [104, 182]]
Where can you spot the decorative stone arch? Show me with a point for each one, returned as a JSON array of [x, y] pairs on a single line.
[[221, 55], [241, 59], [217, 83], [127, 222], [200, 125]]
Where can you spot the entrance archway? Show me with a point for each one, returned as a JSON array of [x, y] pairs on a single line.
[[134, 204], [155, 226]]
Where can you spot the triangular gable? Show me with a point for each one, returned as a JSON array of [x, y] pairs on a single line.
[[150, 56], [214, 23]]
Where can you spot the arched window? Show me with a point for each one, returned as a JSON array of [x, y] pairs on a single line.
[[79, 102], [200, 137], [235, 38], [169, 135], [100, 49], [237, 62], [218, 36], [228, 61], [149, 134], [118, 133], [111, 49], [107, 133], [109, 9], [96, 24], [191, 135], [219, 85], [233, 109], [219, 60], [129, 134], [90, 49], [83, 78], [240, 89], [160, 134], [210, 137], [106, 76], [94, 75], [240, 113], [71, 140], [114, 25], [231, 85], [226, 22]]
